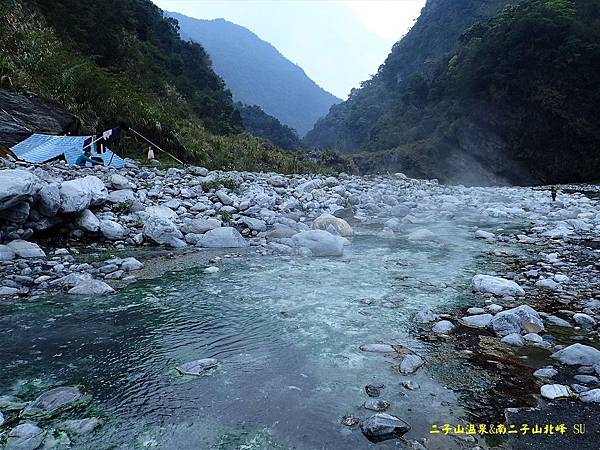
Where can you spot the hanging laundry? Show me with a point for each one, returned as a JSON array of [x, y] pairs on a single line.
[[116, 135], [106, 135]]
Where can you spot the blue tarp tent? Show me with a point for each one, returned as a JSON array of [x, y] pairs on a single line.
[[39, 148]]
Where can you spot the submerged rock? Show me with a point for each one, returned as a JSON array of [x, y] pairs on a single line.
[[26, 436], [198, 366], [410, 363], [497, 286], [375, 404], [383, 426], [425, 316], [55, 401], [81, 426], [320, 243], [377, 348]]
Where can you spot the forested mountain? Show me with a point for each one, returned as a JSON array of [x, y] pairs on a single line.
[[260, 124], [513, 99], [257, 73], [114, 61]]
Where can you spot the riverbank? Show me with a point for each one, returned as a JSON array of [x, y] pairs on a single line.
[[143, 223]]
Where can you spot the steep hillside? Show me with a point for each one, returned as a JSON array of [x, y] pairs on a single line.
[[348, 125], [515, 102], [257, 73], [109, 61], [260, 124]]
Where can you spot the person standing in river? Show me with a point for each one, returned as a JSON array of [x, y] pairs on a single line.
[[553, 192]]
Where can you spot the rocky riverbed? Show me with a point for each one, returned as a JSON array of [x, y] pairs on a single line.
[[527, 319]]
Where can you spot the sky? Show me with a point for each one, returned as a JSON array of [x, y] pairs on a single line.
[[338, 43]]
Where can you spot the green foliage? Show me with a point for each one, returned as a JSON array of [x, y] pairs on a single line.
[[219, 183], [110, 62], [260, 124], [123, 207]]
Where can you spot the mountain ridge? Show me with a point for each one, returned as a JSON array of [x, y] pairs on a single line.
[[257, 73]]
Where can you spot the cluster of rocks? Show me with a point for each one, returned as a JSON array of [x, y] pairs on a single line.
[[25, 432]]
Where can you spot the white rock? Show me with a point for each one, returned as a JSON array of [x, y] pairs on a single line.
[[88, 221], [340, 225], [443, 327], [585, 321], [546, 372], [422, 235], [78, 194], [410, 363], [481, 234], [200, 226], [26, 249], [320, 243], [6, 291], [197, 367], [131, 264], [591, 396], [26, 436], [224, 237], [555, 391], [119, 181], [533, 338], [514, 339], [162, 231], [497, 286], [377, 348], [112, 230], [122, 196], [224, 198], [211, 269], [254, 224], [514, 320], [547, 283], [6, 253], [578, 354], [475, 310], [426, 315], [91, 287], [49, 200], [477, 321], [17, 186], [161, 211]]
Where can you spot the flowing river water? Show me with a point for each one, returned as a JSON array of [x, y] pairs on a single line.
[[286, 331]]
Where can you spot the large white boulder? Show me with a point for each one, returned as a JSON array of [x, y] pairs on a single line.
[[49, 199], [26, 249], [17, 186], [200, 226], [119, 181], [161, 211], [254, 224], [162, 231], [223, 237], [77, 195], [497, 286], [91, 287], [6, 253], [578, 354], [324, 221], [320, 243], [515, 320]]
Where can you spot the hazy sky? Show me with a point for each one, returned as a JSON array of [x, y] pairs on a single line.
[[338, 43]]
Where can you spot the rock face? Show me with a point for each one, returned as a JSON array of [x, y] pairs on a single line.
[[497, 286], [320, 243], [515, 320], [26, 249], [224, 237], [34, 115], [324, 221], [578, 354], [382, 426], [197, 367], [55, 400], [17, 186]]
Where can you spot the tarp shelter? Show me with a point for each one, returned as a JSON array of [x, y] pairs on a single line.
[[39, 148]]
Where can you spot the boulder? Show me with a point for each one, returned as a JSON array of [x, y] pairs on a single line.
[[161, 212], [546, 372], [17, 186], [112, 230], [340, 225], [514, 339], [410, 363], [555, 391], [5, 291], [477, 321], [224, 198], [481, 234], [25, 249], [547, 283], [79, 426], [6, 253], [254, 224], [49, 200], [223, 237], [162, 231], [200, 226], [55, 401], [375, 404], [585, 321], [91, 287], [77, 195], [26, 436], [377, 348], [383, 426], [425, 316], [88, 221], [308, 186], [197, 367], [443, 327], [497, 286], [591, 396], [320, 243], [119, 181], [578, 354], [122, 196], [130, 264], [515, 320]]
